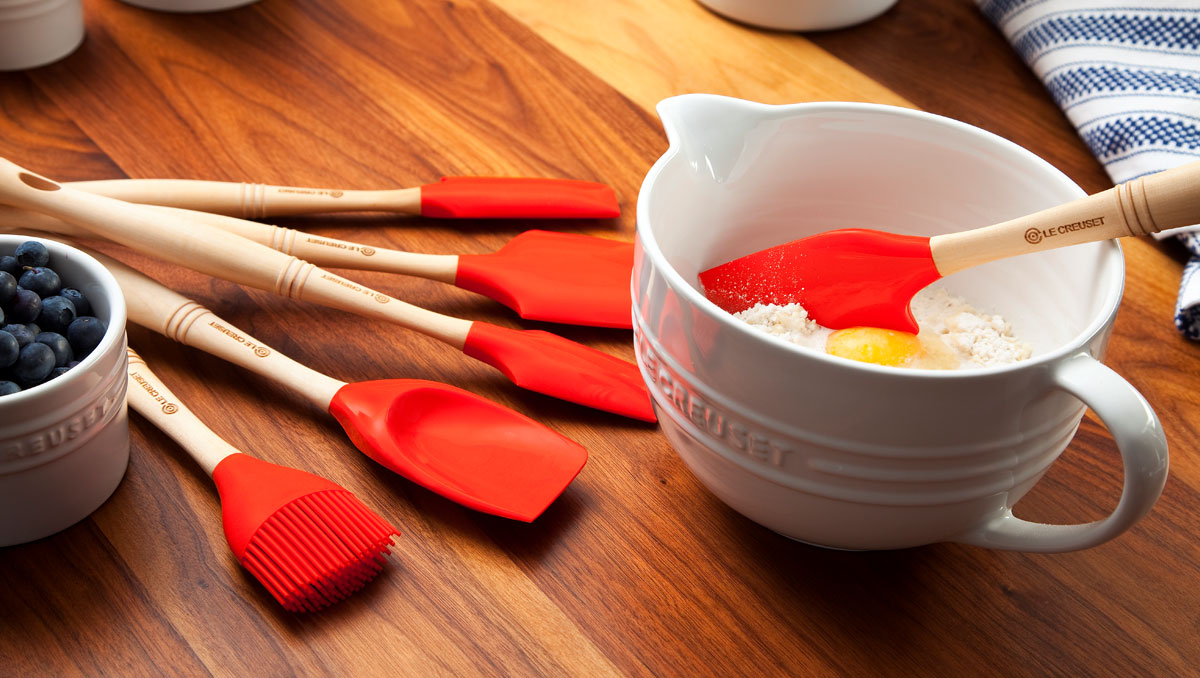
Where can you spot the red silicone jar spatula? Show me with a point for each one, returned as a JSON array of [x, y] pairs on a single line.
[[542, 275], [536, 360], [858, 277], [309, 541], [462, 446], [450, 198]]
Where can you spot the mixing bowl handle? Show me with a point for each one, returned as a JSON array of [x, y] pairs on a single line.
[[1143, 449]]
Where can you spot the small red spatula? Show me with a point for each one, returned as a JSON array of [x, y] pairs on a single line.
[[858, 277], [450, 198]]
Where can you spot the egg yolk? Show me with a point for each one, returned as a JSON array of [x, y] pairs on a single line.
[[874, 345]]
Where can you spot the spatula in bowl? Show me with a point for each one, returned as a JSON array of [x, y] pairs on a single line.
[[859, 277], [542, 275], [536, 360], [450, 198]]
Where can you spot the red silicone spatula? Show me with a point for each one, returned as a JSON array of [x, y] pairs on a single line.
[[462, 446], [309, 541], [857, 277], [542, 275], [450, 198], [539, 361]]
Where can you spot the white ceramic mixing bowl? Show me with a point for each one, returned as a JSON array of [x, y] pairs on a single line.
[[64, 445], [852, 455]]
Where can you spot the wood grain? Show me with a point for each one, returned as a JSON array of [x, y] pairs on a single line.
[[637, 570]]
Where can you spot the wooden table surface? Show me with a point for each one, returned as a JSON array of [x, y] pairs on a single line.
[[636, 569]]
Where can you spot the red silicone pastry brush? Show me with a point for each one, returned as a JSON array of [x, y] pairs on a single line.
[[450, 198], [859, 277], [536, 360], [309, 541], [542, 275]]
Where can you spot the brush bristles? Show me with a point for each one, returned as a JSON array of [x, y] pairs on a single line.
[[318, 549]]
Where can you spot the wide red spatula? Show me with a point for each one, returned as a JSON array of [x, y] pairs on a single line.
[[450, 198], [858, 277], [460, 445], [542, 275], [309, 541]]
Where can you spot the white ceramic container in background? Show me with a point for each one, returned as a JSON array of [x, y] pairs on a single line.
[[858, 456], [37, 32], [800, 15], [188, 6], [64, 445]]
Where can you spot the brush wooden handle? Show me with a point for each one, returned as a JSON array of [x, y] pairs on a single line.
[[315, 249], [1149, 204], [252, 201], [181, 238], [156, 402], [156, 307]]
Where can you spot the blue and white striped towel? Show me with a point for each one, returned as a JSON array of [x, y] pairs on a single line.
[[1127, 75]]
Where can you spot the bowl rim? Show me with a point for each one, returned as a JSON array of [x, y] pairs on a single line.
[[112, 334], [676, 281]]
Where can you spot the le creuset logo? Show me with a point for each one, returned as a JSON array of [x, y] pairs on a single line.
[[312, 191], [377, 296], [66, 430], [1034, 236], [260, 351], [364, 250], [168, 407], [716, 423]]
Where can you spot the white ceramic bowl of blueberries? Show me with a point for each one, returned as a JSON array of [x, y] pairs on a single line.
[[64, 435]]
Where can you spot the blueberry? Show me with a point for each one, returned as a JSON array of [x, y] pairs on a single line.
[[9, 349], [57, 343], [33, 328], [1, 317], [57, 372], [33, 365], [10, 265], [85, 334], [42, 280], [57, 314], [8, 388], [32, 253], [22, 333], [8, 288], [82, 307], [26, 307]]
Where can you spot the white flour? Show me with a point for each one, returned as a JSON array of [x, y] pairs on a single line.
[[976, 339]]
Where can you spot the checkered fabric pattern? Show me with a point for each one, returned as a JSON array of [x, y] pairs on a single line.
[[1127, 75]]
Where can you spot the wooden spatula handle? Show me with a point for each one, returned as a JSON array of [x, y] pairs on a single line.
[[252, 201], [315, 249], [1149, 204], [190, 242], [163, 310], [156, 402]]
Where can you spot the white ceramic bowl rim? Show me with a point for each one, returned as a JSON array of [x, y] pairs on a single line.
[[113, 333], [691, 294]]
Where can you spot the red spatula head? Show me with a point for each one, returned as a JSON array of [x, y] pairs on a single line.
[[556, 277], [844, 278], [518, 198], [549, 364], [462, 446]]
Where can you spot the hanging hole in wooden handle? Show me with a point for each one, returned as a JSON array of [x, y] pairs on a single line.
[[40, 183]]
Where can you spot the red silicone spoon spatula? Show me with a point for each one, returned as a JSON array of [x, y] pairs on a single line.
[[858, 277], [536, 360], [464, 447], [309, 541], [542, 275], [451, 198]]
